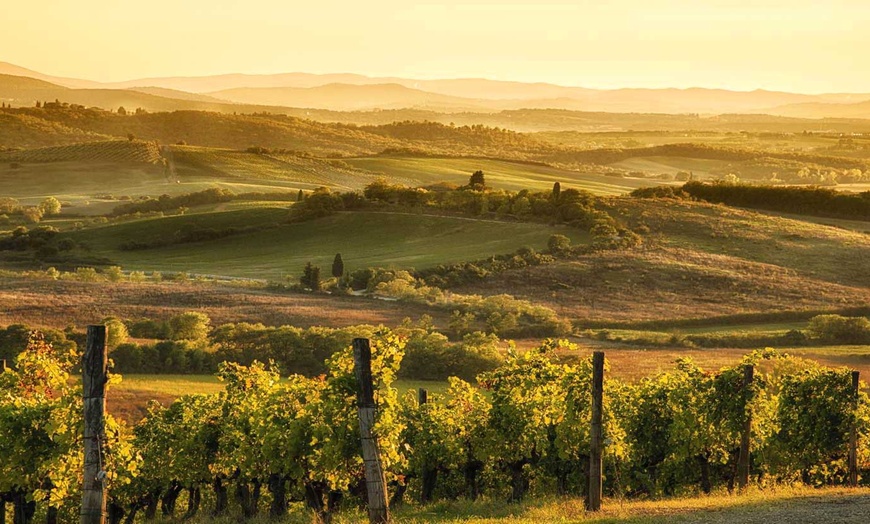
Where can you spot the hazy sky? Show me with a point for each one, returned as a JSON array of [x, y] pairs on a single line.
[[797, 45]]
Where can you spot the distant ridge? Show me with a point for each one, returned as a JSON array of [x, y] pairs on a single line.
[[293, 92]]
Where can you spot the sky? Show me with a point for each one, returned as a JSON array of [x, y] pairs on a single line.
[[809, 46]]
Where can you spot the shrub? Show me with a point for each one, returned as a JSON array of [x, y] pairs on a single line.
[[840, 330]]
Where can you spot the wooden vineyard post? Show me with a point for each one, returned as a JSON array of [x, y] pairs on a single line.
[[853, 435], [743, 458], [2, 369], [593, 501], [422, 396], [94, 378], [378, 508]]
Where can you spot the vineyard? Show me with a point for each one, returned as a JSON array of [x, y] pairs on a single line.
[[264, 444], [111, 151]]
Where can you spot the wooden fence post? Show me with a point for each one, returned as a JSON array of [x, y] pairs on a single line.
[[2, 365], [378, 507], [743, 459], [593, 501], [853, 435], [422, 396], [94, 378]]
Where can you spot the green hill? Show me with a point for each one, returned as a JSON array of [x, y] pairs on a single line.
[[279, 249], [500, 174]]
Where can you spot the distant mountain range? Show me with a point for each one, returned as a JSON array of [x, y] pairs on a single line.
[[352, 92]]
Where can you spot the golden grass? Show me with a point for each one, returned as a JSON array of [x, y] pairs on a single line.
[[786, 504]]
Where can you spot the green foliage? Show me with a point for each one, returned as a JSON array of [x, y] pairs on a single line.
[[116, 332], [50, 206], [837, 329], [192, 326], [558, 244], [477, 181], [801, 200], [337, 266], [310, 278]]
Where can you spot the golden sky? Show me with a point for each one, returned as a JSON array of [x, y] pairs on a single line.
[[795, 45]]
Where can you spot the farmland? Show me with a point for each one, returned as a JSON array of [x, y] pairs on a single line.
[[472, 245], [363, 239], [501, 174]]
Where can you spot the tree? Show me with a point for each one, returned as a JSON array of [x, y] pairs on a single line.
[[300, 196], [557, 190], [558, 243], [50, 206], [116, 332], [310, 277], [337, 266], [131, 137], [122, 111], [477, 180], [191, 325], [32, 214]]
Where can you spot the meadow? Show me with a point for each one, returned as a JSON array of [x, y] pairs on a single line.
[[279, 249], [500, 174]]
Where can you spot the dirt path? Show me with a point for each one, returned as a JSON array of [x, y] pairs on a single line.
[[845, 508]]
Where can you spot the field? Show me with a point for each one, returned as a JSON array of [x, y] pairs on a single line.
[[499, 174], [364, 240], [786, 504], [46, 303], [129, 399], [701, 260]]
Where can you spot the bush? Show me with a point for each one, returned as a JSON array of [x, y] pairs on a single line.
[[191, 326], [840, 330], [429, 356]]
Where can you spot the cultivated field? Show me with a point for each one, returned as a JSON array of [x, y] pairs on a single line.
[[364, 239]]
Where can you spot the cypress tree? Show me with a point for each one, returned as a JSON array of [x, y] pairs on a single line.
[[557, 190], [310, 277], [337, 266], [477, 180]]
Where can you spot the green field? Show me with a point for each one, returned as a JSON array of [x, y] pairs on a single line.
[[672, 165], [177, 385], [500, 174], [364, 239]]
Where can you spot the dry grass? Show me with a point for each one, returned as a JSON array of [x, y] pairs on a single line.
[[774, 505], [45, 303], [668, 283]]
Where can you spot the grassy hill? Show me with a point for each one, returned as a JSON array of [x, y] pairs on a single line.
[[701, 260], [26, 131], [514, 176], [363, 239], [110, 151]]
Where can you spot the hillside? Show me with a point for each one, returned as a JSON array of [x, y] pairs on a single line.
[[278, 249], [701, 260], [500, 174], [349, 97], [26, 131], [120, 151], [825, 110], [349, 92]]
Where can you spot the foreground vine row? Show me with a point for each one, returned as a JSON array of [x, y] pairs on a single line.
[[265, 442]]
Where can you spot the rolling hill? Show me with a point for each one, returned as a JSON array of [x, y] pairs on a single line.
[[349, 97], [700, 260], [364, 239], [283, 91], [825, 110]]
